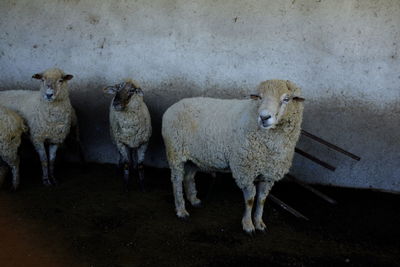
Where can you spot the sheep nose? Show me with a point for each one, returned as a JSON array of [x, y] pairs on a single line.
[[265, 117], [49, 95]]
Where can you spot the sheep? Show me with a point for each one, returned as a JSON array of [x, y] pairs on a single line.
[[254, 139], [130, 126], [12, 126], [48, 114]]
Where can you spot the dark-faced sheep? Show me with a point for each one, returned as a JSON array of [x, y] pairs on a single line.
[[130, 126]]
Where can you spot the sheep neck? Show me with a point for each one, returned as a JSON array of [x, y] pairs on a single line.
[[133, 104], [288, 127]]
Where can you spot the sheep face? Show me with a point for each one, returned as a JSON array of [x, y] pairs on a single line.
[[54, 84], [275, 97], [123, 94]]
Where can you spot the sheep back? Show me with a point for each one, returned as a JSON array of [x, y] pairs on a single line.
[[223, 135], [46, 121]]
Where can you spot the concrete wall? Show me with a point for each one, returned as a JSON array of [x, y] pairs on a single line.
[[344, 54]]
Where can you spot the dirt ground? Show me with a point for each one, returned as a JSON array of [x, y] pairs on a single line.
[[88, 220]]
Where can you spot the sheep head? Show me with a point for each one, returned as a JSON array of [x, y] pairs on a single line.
[[123, 93], [54, 84], [276, 98]]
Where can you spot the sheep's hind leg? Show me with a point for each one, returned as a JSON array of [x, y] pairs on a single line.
[[249, 193], [141, 153], [190, 187], [177, 173], [13, 162], [15, 173], [126, 161], [41, 150], [263, 189], [52, 158], [3, 172]]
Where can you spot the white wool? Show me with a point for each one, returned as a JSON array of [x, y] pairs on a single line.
[[11, 128], [224, 135]]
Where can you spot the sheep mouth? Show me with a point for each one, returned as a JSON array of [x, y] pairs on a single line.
[[119, 108], [49, 98], [265, 124]]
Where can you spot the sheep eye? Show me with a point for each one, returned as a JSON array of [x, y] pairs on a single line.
[[286, 99], [60, 81]]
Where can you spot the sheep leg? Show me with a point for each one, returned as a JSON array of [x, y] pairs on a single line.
[[177, 173], [13, 162], [15, 173], [190, 187], [52, 158], [141, 153], [41, 150], [3, 173], [249, 193], [126, 159], [263, 189]]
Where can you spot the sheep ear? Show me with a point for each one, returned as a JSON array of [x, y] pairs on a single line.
[[255, 97], [298, 99], [37, 76], [68, 77], [139, 91], [110, 90], [289, 85]]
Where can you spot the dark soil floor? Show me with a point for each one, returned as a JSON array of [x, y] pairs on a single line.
[[88, 220]]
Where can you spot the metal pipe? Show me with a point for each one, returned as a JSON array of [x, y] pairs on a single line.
[[330, 145], [311, 189], [315, 159], [287, 207]]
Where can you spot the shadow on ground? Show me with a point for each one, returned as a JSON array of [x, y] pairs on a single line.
[[89, 221]]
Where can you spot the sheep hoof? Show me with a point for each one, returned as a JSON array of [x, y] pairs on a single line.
[[249, 228], [183, 215], [142, 187], [198, 204], [14, 187], [251, 233], [260, 226], [46, 182], [127, 187]]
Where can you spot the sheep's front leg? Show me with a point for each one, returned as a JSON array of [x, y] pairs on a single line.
[[177, 173], [52, 158], [141, 153], [263, 189], [249, 193], [126, 160], [41, 150]]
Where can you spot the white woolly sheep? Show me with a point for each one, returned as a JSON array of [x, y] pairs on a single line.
[[254, 139], [48, 114], [11, 128], [130, 126]]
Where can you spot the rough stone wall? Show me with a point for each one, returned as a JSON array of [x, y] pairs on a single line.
[[344, 54]]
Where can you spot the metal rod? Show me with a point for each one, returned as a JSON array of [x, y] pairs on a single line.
[[316, 160], [311, 189], [330, 145], [287, 207]]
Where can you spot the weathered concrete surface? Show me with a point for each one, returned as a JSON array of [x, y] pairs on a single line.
[[344, 54]]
